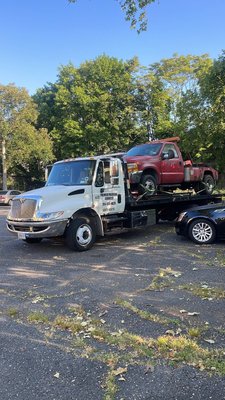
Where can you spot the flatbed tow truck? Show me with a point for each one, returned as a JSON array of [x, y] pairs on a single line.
[[85, 197]]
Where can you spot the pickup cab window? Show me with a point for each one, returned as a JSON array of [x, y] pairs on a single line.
[[147, 149]]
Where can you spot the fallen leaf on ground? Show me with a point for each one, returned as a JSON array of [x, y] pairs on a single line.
[[120, 371], [149, 368], [170, 332], [194, 313]]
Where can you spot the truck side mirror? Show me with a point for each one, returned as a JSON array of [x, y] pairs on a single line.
[[100, 175]]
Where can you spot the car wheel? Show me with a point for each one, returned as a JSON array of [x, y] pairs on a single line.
[[207, 185], [148, 185], [80, 234], [10, 202], [202, 231], [32, 240]]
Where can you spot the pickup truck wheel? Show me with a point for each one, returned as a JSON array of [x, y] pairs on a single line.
[[148, 185], [202, 231], [208, 184], [32, 240], [80, 235]]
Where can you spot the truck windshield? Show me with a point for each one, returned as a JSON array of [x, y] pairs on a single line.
[[72, 173], [148, 149]]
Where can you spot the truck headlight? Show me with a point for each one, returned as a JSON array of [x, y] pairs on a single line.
[[48, 215], [181, 216], [132, 167]]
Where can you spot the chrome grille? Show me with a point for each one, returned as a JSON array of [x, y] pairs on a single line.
[[23, 208]]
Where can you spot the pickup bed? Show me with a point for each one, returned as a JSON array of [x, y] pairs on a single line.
[[159, 165]]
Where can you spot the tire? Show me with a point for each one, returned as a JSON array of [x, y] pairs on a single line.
[[202, 231], [148, 185], [207, 185], [80, 235], [32, 240]]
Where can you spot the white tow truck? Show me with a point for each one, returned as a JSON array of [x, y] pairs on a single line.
[[85, 197]]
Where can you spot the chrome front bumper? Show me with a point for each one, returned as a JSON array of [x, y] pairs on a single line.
[[37, 229]]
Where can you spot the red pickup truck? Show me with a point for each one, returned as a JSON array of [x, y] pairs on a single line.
[[158, 165]]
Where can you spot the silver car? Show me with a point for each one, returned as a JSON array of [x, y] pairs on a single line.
[[6, 196]]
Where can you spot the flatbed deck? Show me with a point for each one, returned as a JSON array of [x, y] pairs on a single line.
[[173, 200]]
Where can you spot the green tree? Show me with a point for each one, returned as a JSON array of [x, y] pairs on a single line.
[[90, 109], [135, 12], [22, 144], [181, 77], [153, 106], [213, 97], [181, 74]]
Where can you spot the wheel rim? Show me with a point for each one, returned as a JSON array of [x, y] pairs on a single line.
[[202, 232], [150, 186], [210, 185], [84, 235]]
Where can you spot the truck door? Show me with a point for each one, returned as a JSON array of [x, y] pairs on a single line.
[[108, 187], [172, 168]]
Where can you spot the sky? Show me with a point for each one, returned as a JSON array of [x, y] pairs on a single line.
[[39, 36]]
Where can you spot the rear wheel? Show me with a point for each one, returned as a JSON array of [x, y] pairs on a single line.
[[80, 234], [207, 185], [202, 231], [148, 185]]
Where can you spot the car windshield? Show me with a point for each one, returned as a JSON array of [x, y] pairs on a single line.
[[3, 192], [71, 173], [148, 149]]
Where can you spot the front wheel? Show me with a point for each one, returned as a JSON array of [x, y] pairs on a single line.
[[80, 235], [202, 231], [148, 185], [208, 184]]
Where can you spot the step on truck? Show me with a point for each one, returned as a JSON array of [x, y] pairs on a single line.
[[84, 198]]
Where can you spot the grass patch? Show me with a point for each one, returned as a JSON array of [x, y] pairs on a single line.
[[130, 348], [110, 386], [196, 332], [183, 349], [78, 310], [163, 279], [67, 323], [220, 258], [37, 317], [204, 291], [12, 312], [145, 314]]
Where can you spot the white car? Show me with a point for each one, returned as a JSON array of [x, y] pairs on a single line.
[[6, 196]]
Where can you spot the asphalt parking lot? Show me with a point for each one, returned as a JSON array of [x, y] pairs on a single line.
[[139, 316]]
